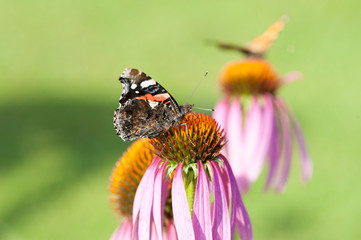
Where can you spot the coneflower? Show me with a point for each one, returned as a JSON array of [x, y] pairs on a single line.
[[206, 203], [124, 182], [258, 124]]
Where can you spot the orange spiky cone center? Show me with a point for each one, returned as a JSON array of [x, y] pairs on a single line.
[[127, 174], [252, 75], [198, 138]]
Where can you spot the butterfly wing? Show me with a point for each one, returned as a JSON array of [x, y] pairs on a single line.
[[146, 109], [263, 42]]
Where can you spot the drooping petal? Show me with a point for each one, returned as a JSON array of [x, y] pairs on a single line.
[[201, 209], [239, 215], [221, 227], [274, 155], [226, 183], [160, 196], [234, 135], [181, 212], [292, 76], [252, 132], [287, 149], [123, 231], [221, 111], [143, 200], [261, 145], [306, 164]]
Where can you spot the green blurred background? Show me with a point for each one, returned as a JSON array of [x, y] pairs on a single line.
[[59, 65]]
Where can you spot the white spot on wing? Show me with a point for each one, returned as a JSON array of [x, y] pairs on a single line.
[[136, 92], [134, 86], [126, 73], [147, 83], [125, 89], [153, 104]]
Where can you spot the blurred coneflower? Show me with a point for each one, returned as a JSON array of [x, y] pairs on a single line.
[[124, 182], [206, 203], [257, 122]]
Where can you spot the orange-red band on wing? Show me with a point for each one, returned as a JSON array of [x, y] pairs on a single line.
[[158, 98]]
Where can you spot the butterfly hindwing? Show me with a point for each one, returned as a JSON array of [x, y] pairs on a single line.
[[138, 119]]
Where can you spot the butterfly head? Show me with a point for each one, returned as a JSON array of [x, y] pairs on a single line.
[[185, 109]]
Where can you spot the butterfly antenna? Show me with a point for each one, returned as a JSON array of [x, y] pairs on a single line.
[[197, 87], [206, 109]]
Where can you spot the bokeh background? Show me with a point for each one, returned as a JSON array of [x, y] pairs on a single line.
[[59, 65]]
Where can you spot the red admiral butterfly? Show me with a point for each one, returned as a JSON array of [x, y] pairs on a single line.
[[145, 109]]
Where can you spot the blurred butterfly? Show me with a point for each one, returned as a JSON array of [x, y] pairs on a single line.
[[259, 45]]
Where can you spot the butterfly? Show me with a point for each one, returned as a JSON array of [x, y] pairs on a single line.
[[259, 45], [145, 109]]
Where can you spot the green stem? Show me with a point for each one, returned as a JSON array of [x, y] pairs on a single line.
[[190, 187]]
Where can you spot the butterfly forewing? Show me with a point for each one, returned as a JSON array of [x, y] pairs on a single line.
[[260, 44]]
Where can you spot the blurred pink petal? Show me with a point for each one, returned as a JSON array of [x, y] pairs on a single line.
[[274, 155], [292, 76], [201, 211], [252, 130], [306, 164], [257, 136], [234, 136], [221, 110], [262, 144], [181, 213], [286, 148]]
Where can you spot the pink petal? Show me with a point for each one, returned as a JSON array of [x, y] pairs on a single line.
[[239, 215], [287, 149], [306, 164], [153, 233], [221, 111], [171, 232], [124, 231], [160, 196], [292, 76], [252, 132], [143, 202], [226, 183], [263, 128], [201, 208], [274, 155], [221, 224], [235, 146], [181, 212]]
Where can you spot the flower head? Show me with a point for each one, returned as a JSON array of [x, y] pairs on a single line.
[[124, 182], [206, 203], [258, 125], [253, 76]]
